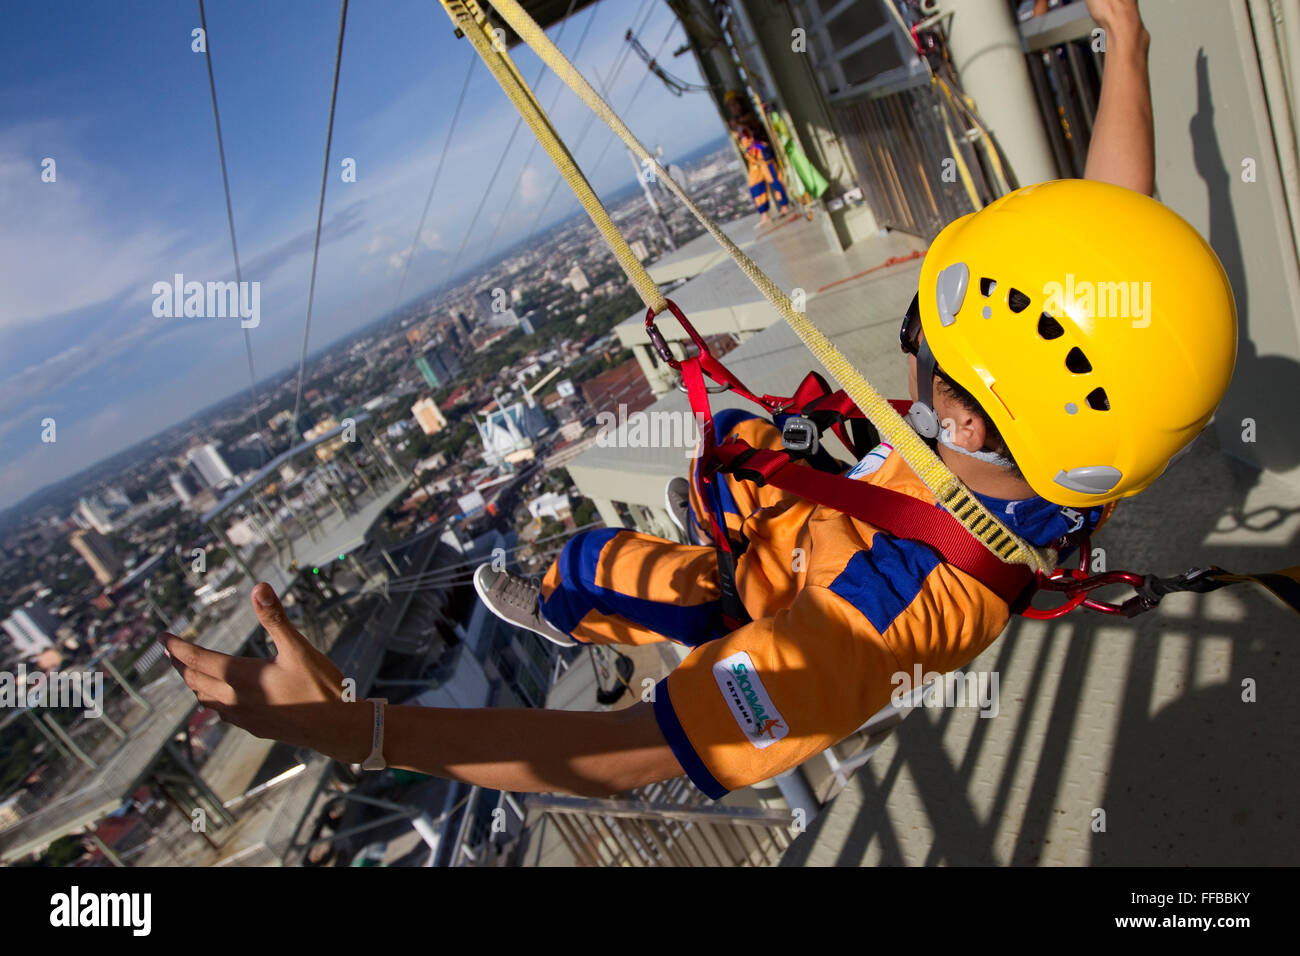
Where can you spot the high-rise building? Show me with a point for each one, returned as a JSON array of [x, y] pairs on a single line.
[[31, 629], [438, 365], [98, 553], [577, 279], [212, 468], [506, 319], [491, 301], [639, 249], [184, 485], [431, 420], [463, 323], [95, 515], [453, 337], [116, 499]]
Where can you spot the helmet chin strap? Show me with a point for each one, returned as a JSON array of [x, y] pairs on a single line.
[[921, 416]]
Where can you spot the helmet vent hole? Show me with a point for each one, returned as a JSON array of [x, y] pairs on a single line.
[[1077, 362], [1098, 401], [1049, 328], [987, 286], [1017, 301]]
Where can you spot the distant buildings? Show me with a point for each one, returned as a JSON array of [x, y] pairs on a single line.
[[430, 419], [505, 319], [577, 279], [94, 515], [211, 467], [639, 250], [438, 366], [326, 450], [508, 434], [184, 485], [31, 629], [462, 323], [98, 553], [551, 505], [491, 304]]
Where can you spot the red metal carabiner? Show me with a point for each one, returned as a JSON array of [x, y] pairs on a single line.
[[661, 345], [1077, 584]]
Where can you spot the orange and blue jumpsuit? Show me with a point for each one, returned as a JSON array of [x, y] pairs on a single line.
[[764, 176], [838, 608]]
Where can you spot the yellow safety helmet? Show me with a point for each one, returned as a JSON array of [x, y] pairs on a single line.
[[1094, 326]]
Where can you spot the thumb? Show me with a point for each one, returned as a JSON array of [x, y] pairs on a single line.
[[272, 615]]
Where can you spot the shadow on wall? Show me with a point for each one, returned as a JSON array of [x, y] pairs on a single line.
[[1264, 388], [1202, 778]]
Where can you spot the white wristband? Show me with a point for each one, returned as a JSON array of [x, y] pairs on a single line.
[[376, 759]]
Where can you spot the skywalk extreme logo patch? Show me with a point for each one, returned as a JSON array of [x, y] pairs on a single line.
[[748, 700]]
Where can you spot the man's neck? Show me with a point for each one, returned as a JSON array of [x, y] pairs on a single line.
[[985, 477]]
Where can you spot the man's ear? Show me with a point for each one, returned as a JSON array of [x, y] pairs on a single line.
[[967, 428]]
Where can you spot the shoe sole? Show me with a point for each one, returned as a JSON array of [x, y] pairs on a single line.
[[672, 512], [482, 594]]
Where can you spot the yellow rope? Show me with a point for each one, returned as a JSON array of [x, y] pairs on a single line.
[[960, 100], [947, 488], [967, 180]]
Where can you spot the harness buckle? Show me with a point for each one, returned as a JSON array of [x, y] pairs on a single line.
[[799, 435]]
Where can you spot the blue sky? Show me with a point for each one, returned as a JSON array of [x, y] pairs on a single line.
[[113, 93]]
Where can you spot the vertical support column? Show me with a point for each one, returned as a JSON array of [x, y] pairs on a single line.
[[125, 685], [109, 853], [990, 62], [272, 525], [68, 742], [200, 784], [56, 742], [112, 725], [352, 460], [216, 529], [296, 520]]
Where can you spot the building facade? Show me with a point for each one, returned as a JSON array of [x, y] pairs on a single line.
[[98, 553], [31, 629], [429, 417], [211, 467]]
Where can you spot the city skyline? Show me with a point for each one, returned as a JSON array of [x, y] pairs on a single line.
[[125, 214]]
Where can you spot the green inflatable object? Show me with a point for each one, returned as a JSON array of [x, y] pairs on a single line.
[[809, 177]]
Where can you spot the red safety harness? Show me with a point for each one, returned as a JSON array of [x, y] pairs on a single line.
[[814, 408]]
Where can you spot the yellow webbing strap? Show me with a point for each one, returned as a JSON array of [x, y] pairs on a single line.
[[947, 488]]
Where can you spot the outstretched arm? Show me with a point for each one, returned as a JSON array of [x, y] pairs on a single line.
[[1122, 150], [297, 697]]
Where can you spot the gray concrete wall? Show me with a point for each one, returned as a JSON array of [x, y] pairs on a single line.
[[1210, 116]]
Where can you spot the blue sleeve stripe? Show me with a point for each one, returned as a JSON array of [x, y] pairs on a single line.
[[681, 747], [883, 580]]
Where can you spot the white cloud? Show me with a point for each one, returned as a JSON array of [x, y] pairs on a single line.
[[531, 186], [61, 247]]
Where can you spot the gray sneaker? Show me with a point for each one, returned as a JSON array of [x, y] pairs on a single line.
[[516, 601], [677, 499]]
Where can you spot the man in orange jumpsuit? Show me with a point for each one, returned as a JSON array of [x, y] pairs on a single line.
[[1044, 411]]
